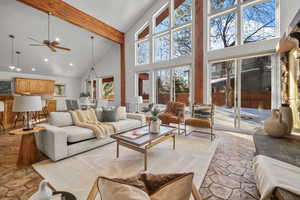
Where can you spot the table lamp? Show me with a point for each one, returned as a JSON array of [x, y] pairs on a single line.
[[138, 100], [27, 104]]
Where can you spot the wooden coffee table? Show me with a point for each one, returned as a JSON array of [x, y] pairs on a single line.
[[145, 142]]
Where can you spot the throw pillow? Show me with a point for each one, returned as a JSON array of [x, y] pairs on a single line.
[[99, 114], [147, 187], [121, 112], [109, 115]]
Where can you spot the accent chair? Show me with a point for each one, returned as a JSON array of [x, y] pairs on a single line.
[[174, 114]]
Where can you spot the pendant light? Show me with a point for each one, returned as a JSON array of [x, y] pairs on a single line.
[[18, 69], [92, 75], [12, 66]]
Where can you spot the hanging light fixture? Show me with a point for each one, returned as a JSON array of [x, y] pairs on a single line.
[[92, 74], [18, 69], [12, 66]]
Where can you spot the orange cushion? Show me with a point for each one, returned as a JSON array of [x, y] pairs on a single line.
[[167, 118], [198, 122]]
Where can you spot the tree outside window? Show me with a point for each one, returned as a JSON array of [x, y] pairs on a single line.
[[259, 23]]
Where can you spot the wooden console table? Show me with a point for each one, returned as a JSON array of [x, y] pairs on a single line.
[[28, 153]]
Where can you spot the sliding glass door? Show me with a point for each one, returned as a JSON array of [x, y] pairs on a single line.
[[223, 87], [173, 85], [255, 90], [241, 91]]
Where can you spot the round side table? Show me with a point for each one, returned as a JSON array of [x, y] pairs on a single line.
[[28, 153]]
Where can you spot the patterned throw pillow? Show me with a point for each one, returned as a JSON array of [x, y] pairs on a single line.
[[146, 187]]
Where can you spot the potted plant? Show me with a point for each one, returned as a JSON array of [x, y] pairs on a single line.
[[84, 97], [154, 124]]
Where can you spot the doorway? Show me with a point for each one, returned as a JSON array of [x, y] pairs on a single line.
[[241, 89]]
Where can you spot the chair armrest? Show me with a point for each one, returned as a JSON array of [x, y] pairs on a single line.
[[137, 116], [53, 142], [196, 193]]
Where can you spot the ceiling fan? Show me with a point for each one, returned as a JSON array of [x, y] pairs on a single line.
[[52, 45]]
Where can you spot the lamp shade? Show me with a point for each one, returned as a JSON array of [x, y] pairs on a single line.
[[27, 103], [138, 99]]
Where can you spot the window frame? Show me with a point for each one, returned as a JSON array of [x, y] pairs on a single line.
[[137, 41], [238, 8], [172, 28], [186, 25]]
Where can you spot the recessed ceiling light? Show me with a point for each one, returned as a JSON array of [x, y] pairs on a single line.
[[71, 64], [11, 67], [33, 69], [57, 39], [18, 69], [46, 60]]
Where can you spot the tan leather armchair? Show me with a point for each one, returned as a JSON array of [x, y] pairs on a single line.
[[174, 113]]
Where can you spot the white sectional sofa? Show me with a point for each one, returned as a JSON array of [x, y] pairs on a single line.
[[62, 138]]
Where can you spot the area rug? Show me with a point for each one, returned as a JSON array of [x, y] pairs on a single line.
[[78, 173]]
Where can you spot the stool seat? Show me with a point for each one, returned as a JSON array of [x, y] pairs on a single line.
[[198, 122]]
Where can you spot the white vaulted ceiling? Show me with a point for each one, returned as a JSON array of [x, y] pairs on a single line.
[[23, 21], [120, 14]]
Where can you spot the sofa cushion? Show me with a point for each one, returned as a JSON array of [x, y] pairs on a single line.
[[60, 119], [109, 115], [123, 125], [77, 134], [121, 113], [99, 114]]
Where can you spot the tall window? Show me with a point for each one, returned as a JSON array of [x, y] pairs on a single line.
[[171, 34], [226, 28], [143, 46]]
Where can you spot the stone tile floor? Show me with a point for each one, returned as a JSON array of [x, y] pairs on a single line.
[[229, 175]]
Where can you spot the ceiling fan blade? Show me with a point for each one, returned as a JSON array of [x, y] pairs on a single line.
[[38, 45], [63, 48], [52, 48], [53, 43], [34, 40]]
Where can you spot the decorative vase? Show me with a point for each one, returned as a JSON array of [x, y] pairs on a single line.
[[44, 192], [274, 126], [287, 116], [154, 126]]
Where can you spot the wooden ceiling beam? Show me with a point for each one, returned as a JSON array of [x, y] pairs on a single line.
[[75, 16]]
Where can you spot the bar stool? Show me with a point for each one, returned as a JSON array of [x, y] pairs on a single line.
[[1, 115]]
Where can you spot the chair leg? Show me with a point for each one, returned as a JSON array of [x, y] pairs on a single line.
[[178, 128]]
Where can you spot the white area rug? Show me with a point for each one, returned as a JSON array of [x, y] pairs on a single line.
[[77, 174]]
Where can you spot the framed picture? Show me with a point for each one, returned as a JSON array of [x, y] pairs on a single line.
[[59, 90], [5, 87]]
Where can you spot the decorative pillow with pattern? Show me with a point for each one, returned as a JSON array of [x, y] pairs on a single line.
[[146, 187]]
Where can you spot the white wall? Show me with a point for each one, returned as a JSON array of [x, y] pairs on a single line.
[[72, 84], [108, 66]]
